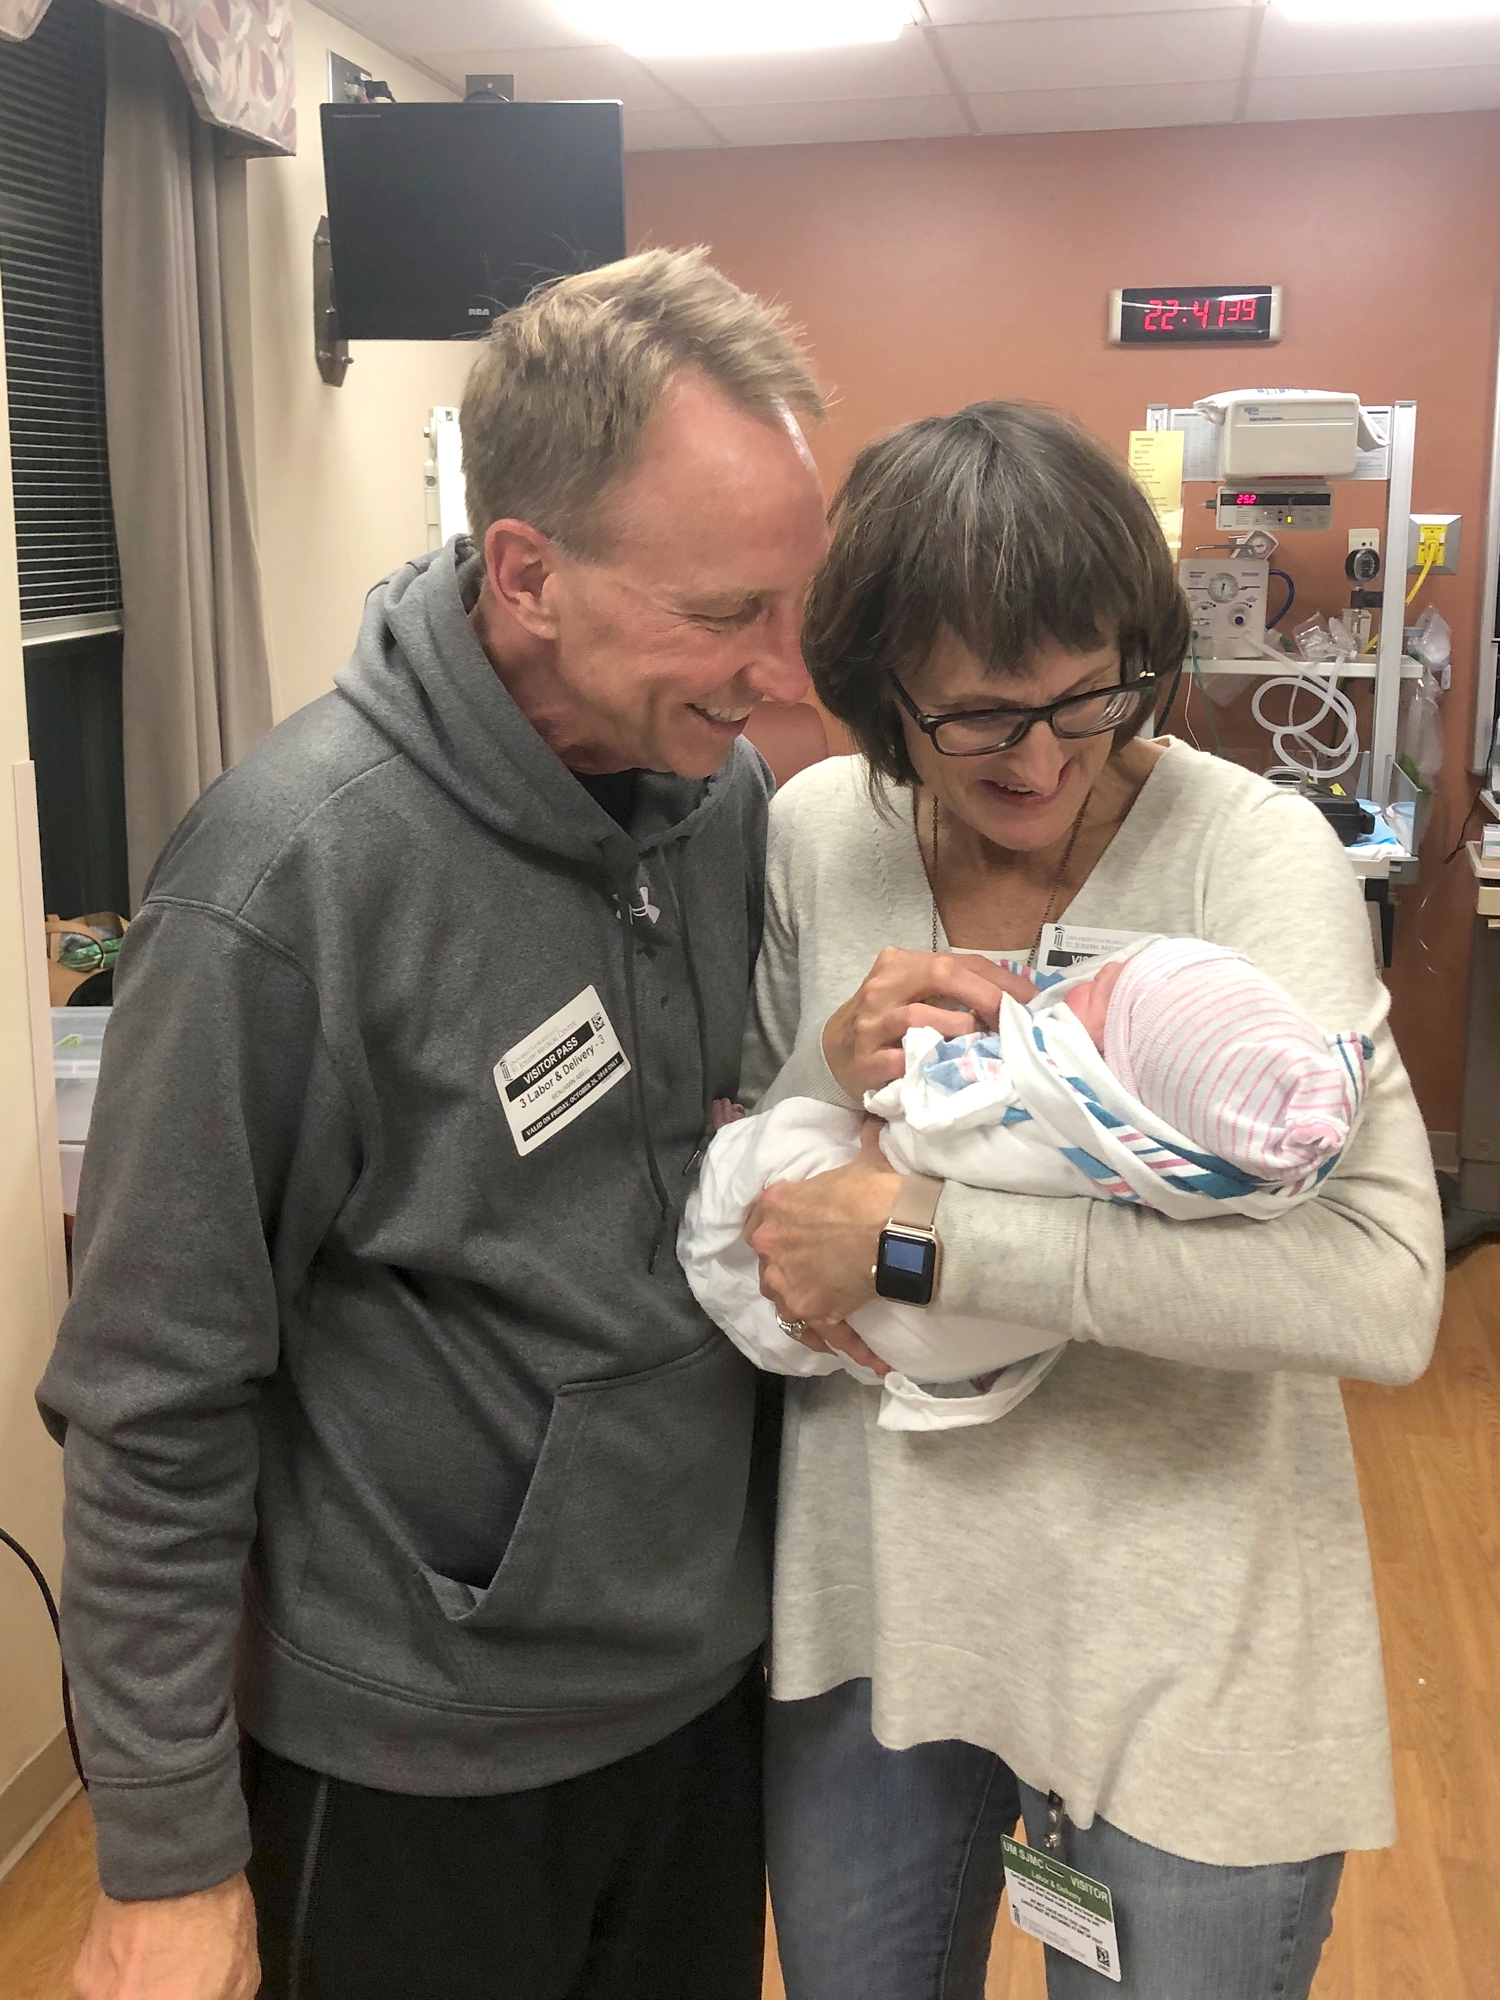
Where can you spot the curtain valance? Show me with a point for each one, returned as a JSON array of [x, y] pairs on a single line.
[[234, 55]]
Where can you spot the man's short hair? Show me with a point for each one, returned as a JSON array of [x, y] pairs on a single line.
[[561, 393], [1006, 524]]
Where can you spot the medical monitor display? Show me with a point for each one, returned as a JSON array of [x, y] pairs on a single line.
[[443, 215]]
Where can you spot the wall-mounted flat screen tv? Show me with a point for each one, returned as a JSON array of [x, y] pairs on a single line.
[[443, 215]]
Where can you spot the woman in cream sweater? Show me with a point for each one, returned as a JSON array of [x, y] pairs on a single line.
[[1146, 1592]]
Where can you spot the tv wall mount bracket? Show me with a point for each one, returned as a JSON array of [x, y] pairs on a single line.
[[334, 358]]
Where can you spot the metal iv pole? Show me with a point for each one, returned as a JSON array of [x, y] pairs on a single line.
[[1403, 450]]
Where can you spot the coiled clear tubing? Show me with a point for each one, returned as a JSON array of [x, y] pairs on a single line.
[[1299, 751]]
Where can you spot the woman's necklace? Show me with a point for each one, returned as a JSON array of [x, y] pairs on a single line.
[[1057, 880]]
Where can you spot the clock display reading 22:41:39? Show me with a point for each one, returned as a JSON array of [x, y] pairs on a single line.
[[1182, 315]]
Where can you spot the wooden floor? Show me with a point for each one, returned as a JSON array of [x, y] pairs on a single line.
[[44, 1906], [1421, 1922]]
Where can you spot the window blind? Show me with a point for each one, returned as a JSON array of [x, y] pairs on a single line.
[[51, 160]]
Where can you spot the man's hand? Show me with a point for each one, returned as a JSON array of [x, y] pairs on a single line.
[[197, 1947], [956, 992], [817, 1242]]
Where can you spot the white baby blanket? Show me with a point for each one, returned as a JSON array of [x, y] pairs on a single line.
[[798, 1139], [1032, 1109]]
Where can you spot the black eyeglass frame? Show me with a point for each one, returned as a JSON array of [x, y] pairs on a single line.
[[1027, 719]]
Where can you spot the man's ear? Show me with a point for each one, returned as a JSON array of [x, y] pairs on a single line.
[[518, 560]]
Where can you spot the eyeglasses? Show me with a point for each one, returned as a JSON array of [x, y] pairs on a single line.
[[84, 951], [975, 732]]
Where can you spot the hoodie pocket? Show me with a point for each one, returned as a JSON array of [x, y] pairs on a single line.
[[633, 1514]]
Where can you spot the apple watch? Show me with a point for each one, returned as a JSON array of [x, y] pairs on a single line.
[[906, 1264]]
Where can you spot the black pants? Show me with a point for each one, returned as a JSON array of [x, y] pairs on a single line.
[[642, 1881]]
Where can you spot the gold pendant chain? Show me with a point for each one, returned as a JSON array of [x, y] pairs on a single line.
[[1057, 880]]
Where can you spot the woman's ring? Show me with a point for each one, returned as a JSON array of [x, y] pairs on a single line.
[[795, 1327]]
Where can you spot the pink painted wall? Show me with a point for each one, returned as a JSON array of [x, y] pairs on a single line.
[[930, 273]]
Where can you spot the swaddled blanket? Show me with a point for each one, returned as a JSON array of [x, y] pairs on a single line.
[[926, 1350], [1033, 1109]]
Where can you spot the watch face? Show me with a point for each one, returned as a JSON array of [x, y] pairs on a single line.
[[906, 1267]]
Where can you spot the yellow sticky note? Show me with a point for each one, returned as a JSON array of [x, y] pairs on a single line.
[[1156, 464]]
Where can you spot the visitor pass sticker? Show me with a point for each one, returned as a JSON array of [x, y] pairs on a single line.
[[559, 1070], [1071, 1912]]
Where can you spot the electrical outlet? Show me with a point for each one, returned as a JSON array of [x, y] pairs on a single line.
[[1364, 538], [1438, 536]]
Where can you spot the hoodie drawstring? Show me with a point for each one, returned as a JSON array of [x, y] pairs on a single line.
[[622, 900], [679, 907]]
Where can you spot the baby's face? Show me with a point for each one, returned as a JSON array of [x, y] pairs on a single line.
[[1090, 1001]]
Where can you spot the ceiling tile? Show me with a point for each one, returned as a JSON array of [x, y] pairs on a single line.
[[839, 119], [1053, 11], [442, 26], [543, 73], [1305, 48], [903, 68], [665, 131], [1104, 109], [1375, 94], [1028, 65], [1203, 46]]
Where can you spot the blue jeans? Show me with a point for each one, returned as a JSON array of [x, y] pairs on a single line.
[[886, 1872]]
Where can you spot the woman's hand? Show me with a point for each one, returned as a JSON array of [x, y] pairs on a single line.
[[817, 1241], [956, 992]]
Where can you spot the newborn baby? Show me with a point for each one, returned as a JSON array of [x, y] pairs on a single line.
[[1194, 1032], [1175, 1075]]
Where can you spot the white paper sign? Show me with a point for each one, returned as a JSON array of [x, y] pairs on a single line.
[[1071, 1912], [558, 1071]]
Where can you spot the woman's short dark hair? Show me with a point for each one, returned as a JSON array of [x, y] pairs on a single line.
[[1009, 525]]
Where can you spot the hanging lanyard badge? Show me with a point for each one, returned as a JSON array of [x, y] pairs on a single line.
[[1053, 1902]]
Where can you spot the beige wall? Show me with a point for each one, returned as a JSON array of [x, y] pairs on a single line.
[[31, 1775], [337, 472]]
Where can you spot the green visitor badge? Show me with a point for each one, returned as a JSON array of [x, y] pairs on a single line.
[[1071, 1912]]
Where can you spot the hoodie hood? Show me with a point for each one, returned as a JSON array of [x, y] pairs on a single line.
[[421, 677]]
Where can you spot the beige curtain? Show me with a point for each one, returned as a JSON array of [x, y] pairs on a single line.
[[196, 684]]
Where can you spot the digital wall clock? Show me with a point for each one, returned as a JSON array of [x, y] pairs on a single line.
[[1186, 315]]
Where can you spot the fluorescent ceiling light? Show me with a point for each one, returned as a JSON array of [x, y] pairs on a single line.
[[738, 27], [1371, 13]]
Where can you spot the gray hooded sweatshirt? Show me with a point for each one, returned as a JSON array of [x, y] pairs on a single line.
[[394, 1435]]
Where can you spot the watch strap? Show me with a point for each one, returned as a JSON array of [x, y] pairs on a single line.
[[916, 1204]]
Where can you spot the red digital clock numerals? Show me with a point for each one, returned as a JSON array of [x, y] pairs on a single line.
[[1162, 315], [1232, 310], [1151, 316]]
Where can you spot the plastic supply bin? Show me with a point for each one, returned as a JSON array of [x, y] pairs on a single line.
[[77, 1044]]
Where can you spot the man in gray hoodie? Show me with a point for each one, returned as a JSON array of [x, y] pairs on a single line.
[[417, 1530]]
